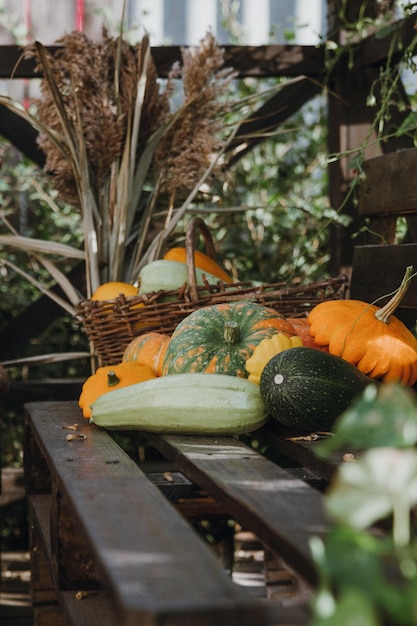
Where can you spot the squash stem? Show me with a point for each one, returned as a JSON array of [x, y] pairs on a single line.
[[112, 379], [231, 333], [384, 313]]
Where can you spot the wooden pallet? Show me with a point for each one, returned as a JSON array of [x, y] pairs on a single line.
[[111, 546]]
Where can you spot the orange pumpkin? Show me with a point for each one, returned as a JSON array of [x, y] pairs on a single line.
[[368, 336], [111, 377], [107, 292], [112, 289], [201, 260], [148, 349]]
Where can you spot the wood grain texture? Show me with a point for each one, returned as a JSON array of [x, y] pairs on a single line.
[[257, 61], [283, 511], [390, 187], [156, 569], [378, 271]]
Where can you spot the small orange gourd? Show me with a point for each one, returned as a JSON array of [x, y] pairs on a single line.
[[201, 260], [107, 292], [111, 377], [368, 336], [112, 289], [148, 349]]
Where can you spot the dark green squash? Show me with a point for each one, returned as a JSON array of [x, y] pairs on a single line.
[[305, 389]]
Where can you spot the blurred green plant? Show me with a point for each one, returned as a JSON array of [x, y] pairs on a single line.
[[367, 563]]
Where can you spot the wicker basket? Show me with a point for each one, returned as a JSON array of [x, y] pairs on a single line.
[[110, 325]]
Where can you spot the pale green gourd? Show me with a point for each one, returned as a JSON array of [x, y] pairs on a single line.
[[190, 404]]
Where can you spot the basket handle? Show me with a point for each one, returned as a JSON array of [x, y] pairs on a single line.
[[195, 225]]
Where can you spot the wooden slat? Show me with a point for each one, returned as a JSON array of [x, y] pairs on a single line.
[[298, 449], [283, 511], [374, 50], [258, 61], [378, 270], [282, 105], [46, 610], [390, 187], [90, 608], [156, 569]]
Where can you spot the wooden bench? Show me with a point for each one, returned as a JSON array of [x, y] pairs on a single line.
[[101, 530]]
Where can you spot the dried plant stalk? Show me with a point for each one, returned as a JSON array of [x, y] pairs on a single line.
[[116, 150]]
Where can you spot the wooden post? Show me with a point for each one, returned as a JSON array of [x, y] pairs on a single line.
[[350, 123]]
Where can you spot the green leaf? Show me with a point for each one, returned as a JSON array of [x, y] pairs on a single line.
[[382, 481], [353, 609], [350, 558], [383, 415], [383, 32], [29, 245], [351, 561], [410, 123]]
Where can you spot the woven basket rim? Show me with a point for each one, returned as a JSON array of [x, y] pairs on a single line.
[[111, 324]]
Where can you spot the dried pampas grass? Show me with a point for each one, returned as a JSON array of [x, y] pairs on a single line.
[[118, 152]]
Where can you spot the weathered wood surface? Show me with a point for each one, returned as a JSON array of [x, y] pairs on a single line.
[[256, 492], [150, 562], [91, 607], [256, 61], [378, 270], [155, 568], [390, 186], [12, 486]]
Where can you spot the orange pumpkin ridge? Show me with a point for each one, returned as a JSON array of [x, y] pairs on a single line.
[[201, 260], [148, 349]]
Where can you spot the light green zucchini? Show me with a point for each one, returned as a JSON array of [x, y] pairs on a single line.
[[190, 404]]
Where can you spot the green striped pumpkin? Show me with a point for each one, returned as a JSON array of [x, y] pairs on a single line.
[[218, 339]]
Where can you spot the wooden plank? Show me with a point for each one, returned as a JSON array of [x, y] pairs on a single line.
[[12, 486], [378, 270], [155, 568], [375, 50], [21, 134], [284, 104], [44, 596], [283, 511], [80, 608], [390, 187], [300, 451], [257, 61]]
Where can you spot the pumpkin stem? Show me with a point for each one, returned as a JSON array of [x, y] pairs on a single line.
[[112, 379], [384, 313], [231, 332]]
